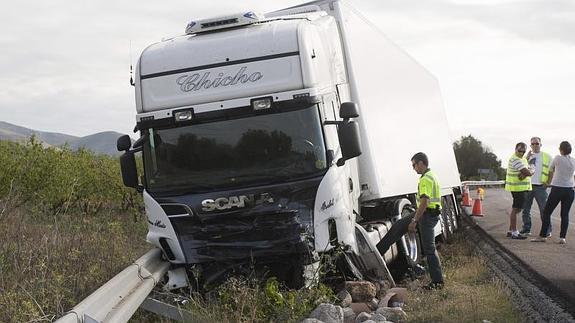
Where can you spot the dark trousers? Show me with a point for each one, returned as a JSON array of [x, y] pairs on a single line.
[[539, 193], [426, 227], [564, 195], [426, 230]]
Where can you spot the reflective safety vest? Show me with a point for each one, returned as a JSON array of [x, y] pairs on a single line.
[[545, 169], [512, 182], [429, 186]]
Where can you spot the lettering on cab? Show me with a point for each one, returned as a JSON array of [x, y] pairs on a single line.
[[199, 81], [226, 203]]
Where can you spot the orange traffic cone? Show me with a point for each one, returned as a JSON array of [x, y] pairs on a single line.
[[466, 199], [477, 209]]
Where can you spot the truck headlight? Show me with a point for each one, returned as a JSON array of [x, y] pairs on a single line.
[[261, 104], [185, 115]]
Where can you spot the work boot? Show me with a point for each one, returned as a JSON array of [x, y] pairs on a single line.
[[525, 232], [433, 286], [419, 270], [539, 239]]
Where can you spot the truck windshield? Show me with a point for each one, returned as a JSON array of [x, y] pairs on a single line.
[[261, 149]]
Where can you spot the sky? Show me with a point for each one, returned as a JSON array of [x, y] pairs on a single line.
[[506, 67]]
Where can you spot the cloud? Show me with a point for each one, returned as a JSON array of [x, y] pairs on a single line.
[[65, 66], [529, 19]]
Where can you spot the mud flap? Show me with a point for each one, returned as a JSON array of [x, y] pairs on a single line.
[[368, 262]]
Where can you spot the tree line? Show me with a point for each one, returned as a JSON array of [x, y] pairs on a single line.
[[476, 161]]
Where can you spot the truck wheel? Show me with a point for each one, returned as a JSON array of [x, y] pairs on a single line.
[[446, 225], [413, 247], [409, 243], [455, 213]]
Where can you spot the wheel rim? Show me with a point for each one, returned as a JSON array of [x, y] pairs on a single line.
[[409, 240]]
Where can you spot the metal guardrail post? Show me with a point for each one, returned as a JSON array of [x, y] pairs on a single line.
[[120, 297]]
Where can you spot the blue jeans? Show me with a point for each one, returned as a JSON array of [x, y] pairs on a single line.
[[426, 230], [540, 195]]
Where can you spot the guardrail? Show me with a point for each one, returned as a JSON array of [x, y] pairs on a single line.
[[120, 297], [482, 183]]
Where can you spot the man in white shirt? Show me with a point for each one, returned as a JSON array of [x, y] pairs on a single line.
[[539, 162]]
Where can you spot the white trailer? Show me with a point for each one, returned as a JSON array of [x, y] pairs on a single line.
[[250, 132]]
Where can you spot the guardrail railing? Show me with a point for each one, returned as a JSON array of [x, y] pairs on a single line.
[[482, 183], [120, 297]]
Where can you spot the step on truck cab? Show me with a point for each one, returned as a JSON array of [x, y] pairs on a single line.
[[268, 140]]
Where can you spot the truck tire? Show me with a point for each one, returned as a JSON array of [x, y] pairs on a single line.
[[409, 244], [454, 218], [446, 224], [449, 218], [456, 211]]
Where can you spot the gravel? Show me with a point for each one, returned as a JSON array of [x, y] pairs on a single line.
[[528, 298]]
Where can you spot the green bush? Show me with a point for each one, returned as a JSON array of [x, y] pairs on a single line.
[[55, 180], [64, 229], [249, 299]]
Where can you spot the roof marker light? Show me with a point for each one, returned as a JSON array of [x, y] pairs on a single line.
[[222, 22]]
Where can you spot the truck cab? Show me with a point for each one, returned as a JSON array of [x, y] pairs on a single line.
[[241, 135]]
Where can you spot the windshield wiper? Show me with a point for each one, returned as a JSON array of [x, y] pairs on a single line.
[[251, 177], [186, 187]]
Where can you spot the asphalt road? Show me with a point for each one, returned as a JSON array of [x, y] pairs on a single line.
[[553, 261]]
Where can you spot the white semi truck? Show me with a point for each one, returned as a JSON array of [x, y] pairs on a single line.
[[268, 140]]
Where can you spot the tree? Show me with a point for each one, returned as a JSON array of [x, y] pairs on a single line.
[[471, 156]]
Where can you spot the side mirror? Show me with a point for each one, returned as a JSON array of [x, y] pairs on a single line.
[[348, 110], [129, 170], [124, 143], [349, 140]]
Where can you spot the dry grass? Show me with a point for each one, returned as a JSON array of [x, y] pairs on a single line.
[[471, 294], [49, 264]]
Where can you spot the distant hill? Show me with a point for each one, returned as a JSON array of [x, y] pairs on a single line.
[[12, 132], [101, 143]]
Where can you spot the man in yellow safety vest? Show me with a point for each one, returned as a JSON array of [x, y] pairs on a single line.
[[518, 182], [539, 162], [427, 215]]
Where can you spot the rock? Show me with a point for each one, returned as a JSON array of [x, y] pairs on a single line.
[[395, 297], [344, 297], [381, 287], [373, 304], [348, 315], [308, 320], [361, 291], [377, 317], [395, 314], [362, 317], [360, 307], [327, 313]]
